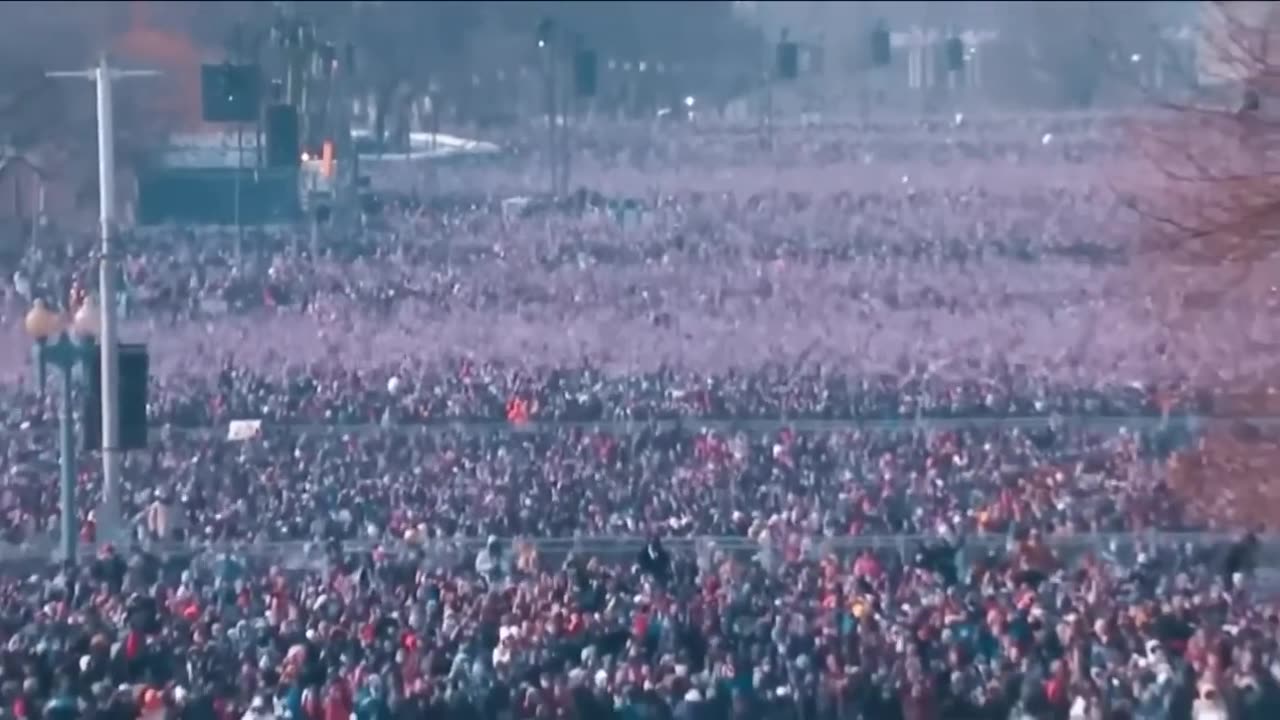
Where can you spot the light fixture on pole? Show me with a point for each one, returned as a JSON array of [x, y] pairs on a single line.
[[103, 76], [64, 346]]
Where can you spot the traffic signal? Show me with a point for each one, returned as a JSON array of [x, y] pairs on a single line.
[[283, 148], [788, 60], [1251, 102], [955, 54], [584, 73], [134, 368], [817, 59], [880, 50]]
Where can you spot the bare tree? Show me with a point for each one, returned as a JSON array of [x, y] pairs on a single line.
[[1208, 194], [27, 100], [1073, 54], [34, 39], [465, 54], [394, 59]]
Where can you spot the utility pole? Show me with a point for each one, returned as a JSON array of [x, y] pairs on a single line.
[[547, 44], [771, 72], [109, 523], [237, 52], [341, 73], [571, 108]]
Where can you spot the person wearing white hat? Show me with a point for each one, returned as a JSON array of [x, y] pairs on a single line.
[[689, 705], [259, 709], [1209, 704]]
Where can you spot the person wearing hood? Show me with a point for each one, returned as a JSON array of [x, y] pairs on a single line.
[[491, 562]]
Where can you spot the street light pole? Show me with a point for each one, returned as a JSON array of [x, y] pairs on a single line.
[[547, 44], [56, 345], [570, 112], [239, 172], [102, 76], [237, 52], [66, 468]]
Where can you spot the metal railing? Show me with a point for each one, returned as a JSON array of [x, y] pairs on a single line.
[[459, 551], [627, 426]]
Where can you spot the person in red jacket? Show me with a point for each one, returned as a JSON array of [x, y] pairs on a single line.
[[337, 701]]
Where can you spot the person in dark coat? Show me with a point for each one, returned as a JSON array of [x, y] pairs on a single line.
[[655, 561], [1241, 558]]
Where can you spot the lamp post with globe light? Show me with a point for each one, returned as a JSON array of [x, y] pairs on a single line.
[[63, 345]]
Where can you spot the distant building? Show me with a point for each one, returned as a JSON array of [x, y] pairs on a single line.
[[22, 188], [58, 188]]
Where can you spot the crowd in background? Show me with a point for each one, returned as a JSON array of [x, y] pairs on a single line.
[[905, 377], [563, 481]]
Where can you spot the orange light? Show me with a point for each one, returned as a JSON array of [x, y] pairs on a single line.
[[326, 158]]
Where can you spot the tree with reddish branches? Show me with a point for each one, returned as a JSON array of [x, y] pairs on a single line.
[[1207, 191]]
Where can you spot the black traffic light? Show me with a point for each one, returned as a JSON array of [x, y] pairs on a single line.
[[955, 54], [880, 46], [585, 66], [788, 60], [283, 146], [817, 59], [134, 368], [1251, 101]]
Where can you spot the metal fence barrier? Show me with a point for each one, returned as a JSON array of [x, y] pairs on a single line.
[[627, 426], [461, 552]]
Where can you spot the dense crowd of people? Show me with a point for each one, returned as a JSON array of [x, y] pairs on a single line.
[[943, 630], [558, 481], [856, 421]]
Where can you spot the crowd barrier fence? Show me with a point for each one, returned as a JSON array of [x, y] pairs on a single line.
[[461, 551], [1111, 422]]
